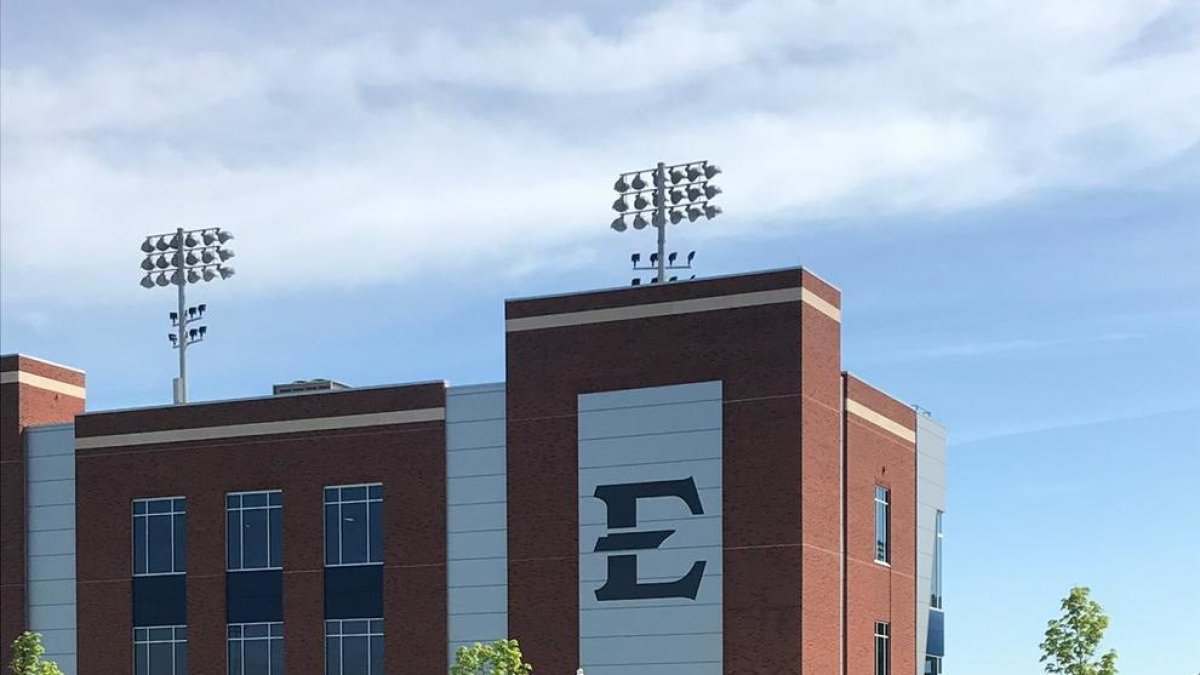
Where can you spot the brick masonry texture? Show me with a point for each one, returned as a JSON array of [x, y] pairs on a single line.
[[877, 592], [22, 406], [771, 380], [408, 459]]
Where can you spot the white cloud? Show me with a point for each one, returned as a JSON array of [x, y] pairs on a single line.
[[393, 152]]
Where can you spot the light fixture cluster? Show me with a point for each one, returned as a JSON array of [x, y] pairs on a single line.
[[186, 258], [189, 335], [671, 194], [672, 262]]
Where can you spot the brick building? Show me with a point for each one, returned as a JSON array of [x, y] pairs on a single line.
[[672, 479]]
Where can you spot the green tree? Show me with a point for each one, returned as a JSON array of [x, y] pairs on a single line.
[[27, 656], [1073, 638], [502, 657]]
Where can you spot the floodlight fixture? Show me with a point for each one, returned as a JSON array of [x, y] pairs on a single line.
[[181, 258], [672, 194], [636, 258]]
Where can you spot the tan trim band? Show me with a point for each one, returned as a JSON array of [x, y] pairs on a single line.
[[262, 428], [40, 382], [694, 305], [886, 423]]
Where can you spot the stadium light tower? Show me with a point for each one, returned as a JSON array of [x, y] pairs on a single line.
[[676, 192], [182, 258]]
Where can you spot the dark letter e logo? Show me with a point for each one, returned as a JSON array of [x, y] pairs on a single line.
[[621, 500]]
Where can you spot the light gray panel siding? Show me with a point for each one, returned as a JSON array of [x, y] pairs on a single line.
[[637, 436], [57, 592], [49, 617], [657, 419], [54, 517], [53, 467], [931, 498], [52, 567], [50, 539], [53, 542], [476, 515], [51, 492], [486, 571], [476, 490], [476, 462]]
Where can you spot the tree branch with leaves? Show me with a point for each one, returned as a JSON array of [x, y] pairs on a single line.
[[1073, 638], [502, 657], [27, 652]]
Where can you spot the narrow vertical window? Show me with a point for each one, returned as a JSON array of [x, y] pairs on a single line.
[[160, 650], [253, 530], [354, 647], [159, 536], [354, 525], [935, 599], [933, 665], [883, 648], [255, 648], [883, 552]]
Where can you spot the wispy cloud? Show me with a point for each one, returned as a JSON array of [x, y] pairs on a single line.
[[1026, 428], [362, 150], [990, 348]]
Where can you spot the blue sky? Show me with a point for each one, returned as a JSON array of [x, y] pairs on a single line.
[[1006, 193]]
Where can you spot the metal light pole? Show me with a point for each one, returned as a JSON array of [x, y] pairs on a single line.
[[685, 186], [186, 257]]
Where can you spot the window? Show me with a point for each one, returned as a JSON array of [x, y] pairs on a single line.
[[933, 665], [255, 649], [935, 599], [883, 649], [353, 525], [160, 650], [254, 530], [883, 551], [354, 647], [159, 536]]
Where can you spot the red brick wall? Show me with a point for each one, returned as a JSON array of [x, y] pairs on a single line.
[[409, 460], [21, 406], [875, 456], [762, 354]]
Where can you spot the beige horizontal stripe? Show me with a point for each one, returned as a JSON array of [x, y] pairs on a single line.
[[31, 380], [820, 304], [675, 307], [262, 428], [887, 424]]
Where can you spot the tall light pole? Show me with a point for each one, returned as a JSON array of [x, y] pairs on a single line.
[[676, 192], [182, 258]]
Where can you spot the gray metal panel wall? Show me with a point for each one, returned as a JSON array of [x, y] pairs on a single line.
[[50, 551], [476, 515], [931, 498], [636, 436]]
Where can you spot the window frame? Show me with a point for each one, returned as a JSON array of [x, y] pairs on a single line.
[[883, 502], [181, 567], [367, 501], [271, 637], [937, 661], [936, 592], [241, 510], [883, 637], [174, 641], [374, 629]]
